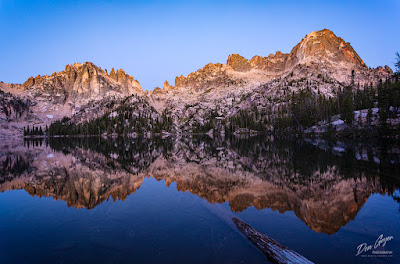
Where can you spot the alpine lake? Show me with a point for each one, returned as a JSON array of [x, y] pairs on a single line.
[[172, 200]]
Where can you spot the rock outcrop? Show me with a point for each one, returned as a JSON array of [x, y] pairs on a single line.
[[79, 87], [81, 81], [238, 63], [321, 62], [319, 52], [323, 47], [207, 77], [167, 86]]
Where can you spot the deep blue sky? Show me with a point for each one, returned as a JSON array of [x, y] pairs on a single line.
[[158, 40]]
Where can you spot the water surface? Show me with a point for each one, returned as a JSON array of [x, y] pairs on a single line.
[[171, 200]]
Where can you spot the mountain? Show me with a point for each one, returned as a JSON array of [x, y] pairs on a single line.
[[14, 112], [83, 81], [319, 52], [79, 88], [77, 85], [214, 97], [321, 64]]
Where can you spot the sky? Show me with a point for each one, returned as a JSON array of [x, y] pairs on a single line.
[[154, 41]]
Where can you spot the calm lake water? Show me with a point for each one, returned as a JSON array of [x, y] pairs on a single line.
[[172, 200]]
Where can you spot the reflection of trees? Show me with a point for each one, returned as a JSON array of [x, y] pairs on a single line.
[[295, 161], [324, 187], [132, 155], [298, 161], [14, 164]]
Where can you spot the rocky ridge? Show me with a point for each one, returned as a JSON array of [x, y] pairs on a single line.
[[77, 88], [319, 52], [321, 62]]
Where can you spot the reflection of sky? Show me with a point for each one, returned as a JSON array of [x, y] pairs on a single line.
[[159, 224], [156, 41]]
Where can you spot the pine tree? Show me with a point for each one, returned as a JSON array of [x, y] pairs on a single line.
[[348, 105], [397, 63], [383, 103]]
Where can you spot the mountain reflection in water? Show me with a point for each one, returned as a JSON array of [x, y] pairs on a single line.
[[324, 183]]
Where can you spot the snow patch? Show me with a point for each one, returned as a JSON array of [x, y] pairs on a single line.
[[114, 155], [339, 149], [113, 115], [338, 122]]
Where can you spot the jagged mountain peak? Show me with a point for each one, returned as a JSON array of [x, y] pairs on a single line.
[[78, 65], [75, 88], [319, 52], [238, 63], [321, 47], [85, 79], [318, 46], [209, 73], [167, 86], [320, 61]]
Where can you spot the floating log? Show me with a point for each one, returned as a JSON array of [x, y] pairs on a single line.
[[275, 252]]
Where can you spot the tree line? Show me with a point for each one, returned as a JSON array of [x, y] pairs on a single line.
[[123, 120], [34, 131], [306, 108], [296, 112]]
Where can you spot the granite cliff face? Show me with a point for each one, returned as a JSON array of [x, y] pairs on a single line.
[[319, 52], [82, 81], [78, 88], [323, 46], [321, 62], [274, 63], [15, 113], [78, 84], [13, 108], [207, 77]]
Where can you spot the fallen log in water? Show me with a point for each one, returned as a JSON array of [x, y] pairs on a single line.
[[274, 251]]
